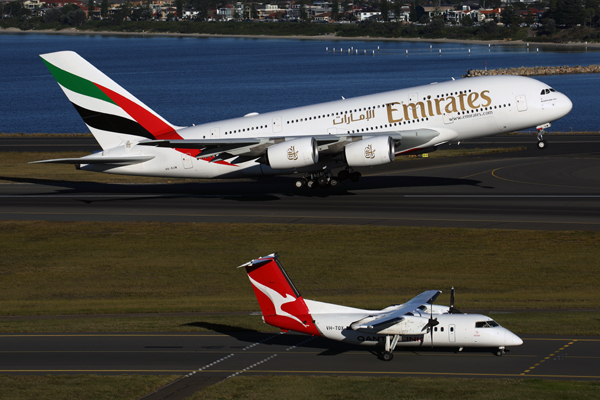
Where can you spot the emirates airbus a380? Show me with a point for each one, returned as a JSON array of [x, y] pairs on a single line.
[[311, 141]]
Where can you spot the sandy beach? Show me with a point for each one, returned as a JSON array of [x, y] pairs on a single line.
[[329, 37]]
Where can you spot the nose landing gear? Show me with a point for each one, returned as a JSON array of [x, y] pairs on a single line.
[[542, 144]]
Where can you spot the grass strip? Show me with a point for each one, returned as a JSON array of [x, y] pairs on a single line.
[[348, 388], [53, 268], [89, 387], [576, 323]]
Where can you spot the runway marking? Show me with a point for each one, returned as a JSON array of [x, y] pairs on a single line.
[[416, 373], [168, 196], [301, 217], [300, 344], [535, 183], [262, 341], [251, 366], [216, 362], [547, 358]]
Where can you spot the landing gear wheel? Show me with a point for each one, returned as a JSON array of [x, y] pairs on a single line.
[[300, 183], [323, 181], [387, 356], [542, 144], [310, 183], [334, 182], [499, 352], [355, 176]]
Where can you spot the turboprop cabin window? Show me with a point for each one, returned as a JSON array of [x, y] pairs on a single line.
[[486, 324]]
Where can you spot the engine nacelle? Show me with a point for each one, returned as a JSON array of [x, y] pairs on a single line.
[[376, 150], [291, 154]]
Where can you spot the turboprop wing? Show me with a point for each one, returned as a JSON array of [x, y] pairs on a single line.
[[380, 322]]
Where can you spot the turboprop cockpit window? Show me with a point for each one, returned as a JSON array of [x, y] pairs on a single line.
[[486, 324]]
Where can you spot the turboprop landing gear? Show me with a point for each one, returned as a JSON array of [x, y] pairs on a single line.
[[542, 144], [390, 344], [500, 351]]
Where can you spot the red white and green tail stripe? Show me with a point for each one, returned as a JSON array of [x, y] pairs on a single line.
[[110, 112]]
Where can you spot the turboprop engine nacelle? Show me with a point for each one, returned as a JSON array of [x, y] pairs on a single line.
[[377, 150], [295, 153]]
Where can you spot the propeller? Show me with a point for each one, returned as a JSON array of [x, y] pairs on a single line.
[[453, 310], [431, 323]]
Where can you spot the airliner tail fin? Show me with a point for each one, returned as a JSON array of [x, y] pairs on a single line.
[[112, 114]]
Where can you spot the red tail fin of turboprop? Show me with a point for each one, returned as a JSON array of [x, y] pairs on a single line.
[[280, 303]]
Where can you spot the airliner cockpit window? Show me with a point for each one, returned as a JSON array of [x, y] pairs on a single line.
[[486, 324]]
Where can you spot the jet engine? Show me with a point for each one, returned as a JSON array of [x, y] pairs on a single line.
[[376, 150], [295, 153]]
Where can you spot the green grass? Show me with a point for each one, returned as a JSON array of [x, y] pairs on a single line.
[[350, 388], [51, 268], [94, 387], [89, 387]]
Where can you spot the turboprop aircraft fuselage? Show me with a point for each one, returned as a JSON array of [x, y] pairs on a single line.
[[453, 330], [418, 322]]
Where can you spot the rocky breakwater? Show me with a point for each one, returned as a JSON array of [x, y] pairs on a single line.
[[533, 71]]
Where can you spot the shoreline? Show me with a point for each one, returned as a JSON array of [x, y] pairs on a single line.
[[73, 31]]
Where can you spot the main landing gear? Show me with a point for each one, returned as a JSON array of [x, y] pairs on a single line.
[[322, 179], [390, 344], [326, 179]]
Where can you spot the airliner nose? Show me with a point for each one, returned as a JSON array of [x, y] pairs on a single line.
[[511, 339], [565, 105]]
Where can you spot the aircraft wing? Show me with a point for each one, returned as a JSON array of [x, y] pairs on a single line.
[[94, 159], [255, 147], [385, 320]]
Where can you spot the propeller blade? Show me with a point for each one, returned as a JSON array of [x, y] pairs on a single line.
[[453, 310]]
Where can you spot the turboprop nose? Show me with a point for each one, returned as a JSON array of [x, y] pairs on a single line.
[[511, 339]]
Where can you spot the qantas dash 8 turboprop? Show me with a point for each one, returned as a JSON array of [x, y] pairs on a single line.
[[418, 322], [312, 140]]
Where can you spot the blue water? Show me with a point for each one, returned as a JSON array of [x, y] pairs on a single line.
[[196, 80]]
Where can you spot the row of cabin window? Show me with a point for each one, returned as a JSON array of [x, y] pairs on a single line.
[[451, 94], [245, 129], [345, 112], [336, 114]]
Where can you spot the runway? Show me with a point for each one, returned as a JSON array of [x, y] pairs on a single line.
[[554, 189], [216, 356]]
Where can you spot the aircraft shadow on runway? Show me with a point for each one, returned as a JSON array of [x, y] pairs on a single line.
[[263, 189]]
